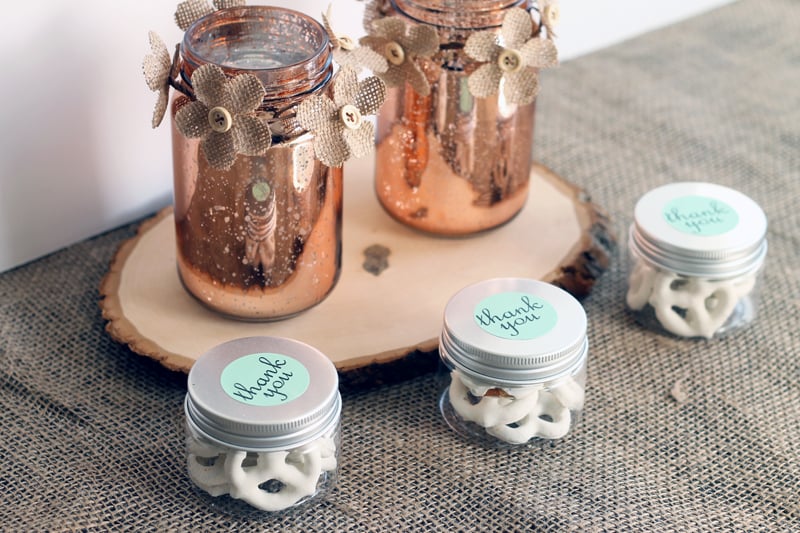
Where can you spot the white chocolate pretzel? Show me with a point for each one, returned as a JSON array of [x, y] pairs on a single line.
[[490, 410], [521, 414], [206, 465], [297, 470], [686, 306], [550, 420]]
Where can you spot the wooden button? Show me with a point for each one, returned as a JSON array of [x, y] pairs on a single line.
[[351, 116], [394, 53], [509, 61], [346, 43], [220, 119]]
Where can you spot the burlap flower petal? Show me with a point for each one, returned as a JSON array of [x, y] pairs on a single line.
[[191, 10], [421, 41], [360, 141], [160, 108], [361, 58], [330, 146], [482, 46], [314, 113], [246, 94], [521, 87], [252, 136], [210, 86], [219, 149], [392, 28], [347, 54], [415, 78], [375, 42], [517, 28], [333, 122], [551, 14], [156, 67], [374, 10], [401, 45], [539, 53], [345, 88], [157, 64], [485, 80], [192, 120], [370, 97]]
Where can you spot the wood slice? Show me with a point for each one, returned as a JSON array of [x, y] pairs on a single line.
[[375, 328]]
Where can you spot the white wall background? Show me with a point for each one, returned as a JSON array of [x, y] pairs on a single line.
[[77, 154]]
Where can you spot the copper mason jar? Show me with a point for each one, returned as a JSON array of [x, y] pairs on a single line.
[[261, 240], [449, 163]]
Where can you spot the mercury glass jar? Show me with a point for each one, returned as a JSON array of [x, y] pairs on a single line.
[[514, 352], [263, 425], [260, 240], [449, 163], [696, 254]]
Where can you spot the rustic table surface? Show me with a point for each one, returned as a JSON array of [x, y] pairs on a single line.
[[676, 434]]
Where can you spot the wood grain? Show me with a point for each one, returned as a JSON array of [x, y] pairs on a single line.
[[376, 329]]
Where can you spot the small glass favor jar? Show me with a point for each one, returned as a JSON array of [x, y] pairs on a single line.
[[515, 351], [263, 424], [456, 132], [258, 218], [696, 253]]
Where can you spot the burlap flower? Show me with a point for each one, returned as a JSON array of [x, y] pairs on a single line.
[[348, 54], [401, 45], [191, 10], [224, 116], [339, 126], [551, 14], [515, 63], [156, 67]]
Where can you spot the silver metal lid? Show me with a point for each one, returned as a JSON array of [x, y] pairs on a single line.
[[699, 229], [263, 393], [513, 331]]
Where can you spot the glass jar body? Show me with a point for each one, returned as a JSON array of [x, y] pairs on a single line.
[[262, 239], [449, 163], [496, 415], [673, 303], [246, 482]]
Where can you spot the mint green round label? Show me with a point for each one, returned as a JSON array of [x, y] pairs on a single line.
[[515, 316], [700, 215], [265, 379]]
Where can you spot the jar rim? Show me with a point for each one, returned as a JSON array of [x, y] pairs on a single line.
[[736, 246], [213, 411], [235, 15], [303, 71], [540, 354], [457, 16]]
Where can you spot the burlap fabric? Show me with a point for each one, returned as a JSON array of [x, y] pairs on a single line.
[[338, 125], [677, 435], [417, 40], [516, 61]]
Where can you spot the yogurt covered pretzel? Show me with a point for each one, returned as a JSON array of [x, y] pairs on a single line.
[[219, 471], [516, 415], [687, 306], [515, 350], [697, 249]]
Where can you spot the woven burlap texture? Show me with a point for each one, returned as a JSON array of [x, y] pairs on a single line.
[[550, 16], [391, 35], [335, 138], [520, 83], [347, 54], [240, 97], [676, 435], [156, 67], [190, 11]]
